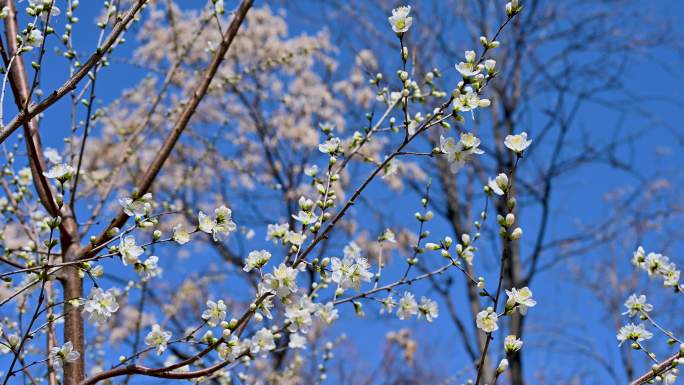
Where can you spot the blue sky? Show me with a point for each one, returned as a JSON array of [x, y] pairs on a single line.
[[563, 305]]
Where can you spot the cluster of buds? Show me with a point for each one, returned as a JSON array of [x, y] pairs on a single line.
[[488, 44], [464, 250], [513, 8], [507, 223], [36, 8]]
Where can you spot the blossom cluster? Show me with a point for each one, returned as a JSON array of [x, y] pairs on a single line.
[[297, 287]]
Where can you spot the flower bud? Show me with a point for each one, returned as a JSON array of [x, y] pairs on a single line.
[[470, 56], [358, 308], [113, 231], [447, 242], [490, 66], [511, 203], [502, 181], [510, 219], [503, 365]]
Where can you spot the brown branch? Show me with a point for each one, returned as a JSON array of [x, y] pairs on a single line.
[[20, 89], [153, 170], [169, 371], [661, 368]]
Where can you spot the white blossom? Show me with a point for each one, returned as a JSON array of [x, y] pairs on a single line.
[[326, 313], [297, 341], [428, 308], [33, 39], [469, 68], [407, 306], [633, 332], [52, 155], [655, 263], [298, 314], [180, 234], [219, 7], [215, 313], [388, 235], [305, 217], [262, 341], [218, 225], [64, 354], [470, 143], [11, 342], [512, 344], [635, 305], [499, 185], [137, 207], [100, 305], [129, 250], [62, 172], [639, 257], [670, 377], [25, 176], [158, 338], [521, 299], [41, 7], [459, 152], [256, 260], [351, 270], [276, 231], [232, 349], [149, 268], [469, 100], [311, 170], [330, 146], [487, 320], [388, 304], [295, 238], [282, 282], [400, 19], [517, 143]]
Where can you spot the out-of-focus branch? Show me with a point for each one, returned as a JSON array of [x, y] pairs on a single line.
[[145, 182]]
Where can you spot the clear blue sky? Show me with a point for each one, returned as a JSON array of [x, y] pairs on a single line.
[[564, 307]]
